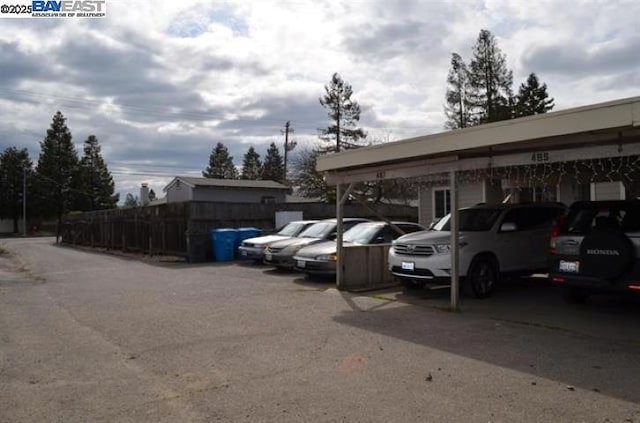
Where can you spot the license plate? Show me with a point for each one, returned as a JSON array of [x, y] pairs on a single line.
[[408, 265], [301, 263], [268, 256], [569, 266]]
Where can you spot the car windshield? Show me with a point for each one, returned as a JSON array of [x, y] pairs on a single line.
[[292, 229], [470, 220], [362, 233], [319, 230]]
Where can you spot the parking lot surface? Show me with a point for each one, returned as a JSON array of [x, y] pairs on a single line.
[[93, 337]]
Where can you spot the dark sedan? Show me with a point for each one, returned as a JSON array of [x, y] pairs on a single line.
[[320, 258]]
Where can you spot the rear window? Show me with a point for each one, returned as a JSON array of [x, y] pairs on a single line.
[[582, 218]]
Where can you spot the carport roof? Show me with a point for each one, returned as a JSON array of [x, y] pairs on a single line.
[[616, 121]]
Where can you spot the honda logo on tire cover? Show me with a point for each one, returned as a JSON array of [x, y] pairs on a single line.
[[597, 252]]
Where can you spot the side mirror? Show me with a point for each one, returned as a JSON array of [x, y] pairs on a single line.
[[379, 240], [508, 227], [333, 236]]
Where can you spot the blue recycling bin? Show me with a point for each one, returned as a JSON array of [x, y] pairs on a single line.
[[224, 243], [245, 233]]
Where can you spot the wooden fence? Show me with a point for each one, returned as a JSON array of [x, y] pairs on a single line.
[[158, 230], [183, 229]]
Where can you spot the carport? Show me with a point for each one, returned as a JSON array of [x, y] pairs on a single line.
[[600, 142]]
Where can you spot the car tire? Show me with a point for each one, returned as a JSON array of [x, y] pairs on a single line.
[[413, 284], [572, 295], [481, 278]]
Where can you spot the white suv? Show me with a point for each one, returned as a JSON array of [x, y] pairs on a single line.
[[494, 239]]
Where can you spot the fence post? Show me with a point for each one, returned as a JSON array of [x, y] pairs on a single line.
[[151, 221], [124, 241]]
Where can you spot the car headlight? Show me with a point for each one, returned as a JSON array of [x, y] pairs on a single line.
[[446, 248], [442, 248], [327, 257]]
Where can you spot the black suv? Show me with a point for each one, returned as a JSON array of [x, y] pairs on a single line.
[[596, 249]]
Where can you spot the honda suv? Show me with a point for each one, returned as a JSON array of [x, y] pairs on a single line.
[[596, 249], [494, 239]]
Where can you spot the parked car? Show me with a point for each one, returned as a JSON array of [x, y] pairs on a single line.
[[596, 249], [253, 248], [321, 258], [494, 240], [280, 253]]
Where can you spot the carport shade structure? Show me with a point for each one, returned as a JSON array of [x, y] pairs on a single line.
[[600, 131]]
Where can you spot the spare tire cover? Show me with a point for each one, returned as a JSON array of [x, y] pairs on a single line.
[[605, 253]]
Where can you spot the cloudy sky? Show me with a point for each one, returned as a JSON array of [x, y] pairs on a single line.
[[161, 82]]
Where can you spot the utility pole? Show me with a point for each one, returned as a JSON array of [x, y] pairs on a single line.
[[287, 147], [338, 130]]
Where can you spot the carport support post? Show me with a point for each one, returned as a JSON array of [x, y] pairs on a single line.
[[340, 200], [455, 257]]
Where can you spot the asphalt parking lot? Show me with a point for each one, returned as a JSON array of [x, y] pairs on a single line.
[[95, 337]]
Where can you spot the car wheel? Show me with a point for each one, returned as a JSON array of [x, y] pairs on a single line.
[[413, 284], [481, 278], [573, 295]]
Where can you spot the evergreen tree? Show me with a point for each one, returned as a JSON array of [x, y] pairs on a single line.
[[13, 165], [130, 200], [532, 98], [273, 167], [57, 171], [344, 114], [97, 183], [457, 96], [251, 165], [490, 81], [220, 164]]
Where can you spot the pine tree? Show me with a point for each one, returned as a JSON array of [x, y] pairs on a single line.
[[131, 200], [344, 114], [251, 165], [457, 96], [13, 165], [532, 98], [97, 182], [490, 81], [57, 171], [273, 167], [220, 164]]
